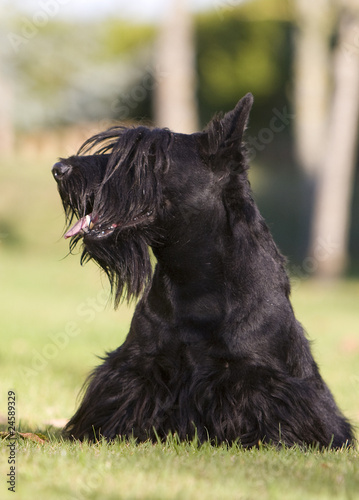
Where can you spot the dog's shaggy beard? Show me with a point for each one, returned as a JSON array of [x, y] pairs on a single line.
[[123, 225], [125, 258]]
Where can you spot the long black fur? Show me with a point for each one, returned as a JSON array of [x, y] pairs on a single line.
[[214, 348]]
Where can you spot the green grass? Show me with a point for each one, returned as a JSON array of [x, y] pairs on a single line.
[[55, 318], [185, 471]]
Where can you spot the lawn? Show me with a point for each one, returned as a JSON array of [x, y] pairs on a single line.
[[56, 317]]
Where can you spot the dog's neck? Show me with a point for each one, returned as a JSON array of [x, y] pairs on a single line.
[[208, 284], [195, 253]]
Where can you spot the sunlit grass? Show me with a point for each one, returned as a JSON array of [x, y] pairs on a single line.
[[181, 471]]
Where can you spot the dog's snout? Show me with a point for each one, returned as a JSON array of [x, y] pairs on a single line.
[[59, 170]]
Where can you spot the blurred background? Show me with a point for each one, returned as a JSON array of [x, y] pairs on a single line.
[[69, 68]]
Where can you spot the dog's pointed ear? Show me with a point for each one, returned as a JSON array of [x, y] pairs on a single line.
[[222, 137], [235, 122]]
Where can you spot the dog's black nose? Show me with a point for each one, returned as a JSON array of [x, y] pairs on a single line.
[[59, 170]]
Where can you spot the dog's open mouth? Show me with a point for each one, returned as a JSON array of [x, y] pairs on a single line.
[[89, 225]]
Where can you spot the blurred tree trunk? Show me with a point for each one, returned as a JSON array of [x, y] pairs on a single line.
[[314, 19], [175, 93], [6, 92], [335, 181], [6, 123]]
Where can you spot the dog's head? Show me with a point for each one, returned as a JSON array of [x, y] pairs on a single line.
[[116, 196], [144, 187]]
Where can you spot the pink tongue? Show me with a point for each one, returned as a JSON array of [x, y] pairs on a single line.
[[80, 225]]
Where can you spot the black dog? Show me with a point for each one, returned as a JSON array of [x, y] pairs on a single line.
[[214, 349]]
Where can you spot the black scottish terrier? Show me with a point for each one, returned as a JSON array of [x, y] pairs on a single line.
[[214, 349]]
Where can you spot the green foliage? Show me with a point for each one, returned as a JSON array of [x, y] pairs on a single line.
[[119, 38], [67, 72], [237, 54]]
